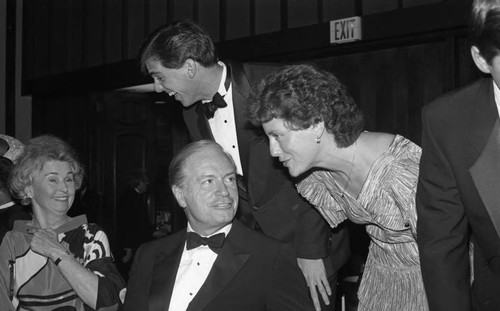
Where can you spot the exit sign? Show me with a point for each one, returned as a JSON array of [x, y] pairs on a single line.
[[345, 30]]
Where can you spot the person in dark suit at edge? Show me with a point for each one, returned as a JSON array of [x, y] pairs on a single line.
[[458, 196], [216, 263], [10, 209], [182, 61]]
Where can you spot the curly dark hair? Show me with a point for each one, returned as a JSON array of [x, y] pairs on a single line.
[[485, 28], [173, 44], [303, 95]]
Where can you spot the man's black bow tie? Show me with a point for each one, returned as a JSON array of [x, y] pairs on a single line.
[[215, 242], [216, 103]]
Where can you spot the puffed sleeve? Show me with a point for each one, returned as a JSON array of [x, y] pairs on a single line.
[[98, 259], [314, 189]]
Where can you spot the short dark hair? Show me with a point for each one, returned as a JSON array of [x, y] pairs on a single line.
[[303, 95], [36, 153], [485, 28], [176, 167], [135, 177], [173, 44]]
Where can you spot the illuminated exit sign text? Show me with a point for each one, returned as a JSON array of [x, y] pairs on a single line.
[[345, 30]]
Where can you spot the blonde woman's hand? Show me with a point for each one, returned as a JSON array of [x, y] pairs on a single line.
[[46, 243]]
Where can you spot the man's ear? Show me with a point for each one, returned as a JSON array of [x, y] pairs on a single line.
[[479, 60], [191, 67], [179, 195]]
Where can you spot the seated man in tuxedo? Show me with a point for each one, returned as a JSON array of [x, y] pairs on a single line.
[[216, 263]]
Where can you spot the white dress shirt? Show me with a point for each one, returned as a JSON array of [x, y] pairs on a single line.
[[496, 91], [223, 123], [193, 270]]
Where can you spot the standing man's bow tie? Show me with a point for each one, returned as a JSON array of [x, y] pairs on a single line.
[[216, 103], [215, 242]]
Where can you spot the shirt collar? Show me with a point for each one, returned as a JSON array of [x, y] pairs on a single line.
[[224, 230], [496, 91], [222, 88]]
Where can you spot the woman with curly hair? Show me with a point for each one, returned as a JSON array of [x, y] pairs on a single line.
[[315, 129], [53, 261]]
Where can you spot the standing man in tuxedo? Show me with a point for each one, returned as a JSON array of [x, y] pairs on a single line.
[[216, 263], [458, 197], [182, 60]]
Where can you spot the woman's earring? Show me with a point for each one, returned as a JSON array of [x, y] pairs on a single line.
[[26, 200], [318, 140]]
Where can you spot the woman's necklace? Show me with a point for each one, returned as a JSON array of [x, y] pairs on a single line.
[[350, 171]]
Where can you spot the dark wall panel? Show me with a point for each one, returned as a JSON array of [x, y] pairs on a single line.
[[135, 20], [93, 47], [392, 85], [114, 26], [267, 16], [74, 33], [209, 17], [64, 36], [410, 3], [183, 9], [158, 13], [302, 13], [376, 6], [40, 51], [28, 40], [238, 19], [336, 9], [57, 36]]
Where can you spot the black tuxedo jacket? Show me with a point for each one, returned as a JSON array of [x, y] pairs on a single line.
[[277, 207], [251, 273], [458, 200]]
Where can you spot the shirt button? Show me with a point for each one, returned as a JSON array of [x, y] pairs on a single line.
[[234, 146], [407, 224]]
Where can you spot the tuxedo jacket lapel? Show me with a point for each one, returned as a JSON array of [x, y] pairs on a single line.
[[486, 176], [163, 279], [241, 92], [227, 265], [482, 127]]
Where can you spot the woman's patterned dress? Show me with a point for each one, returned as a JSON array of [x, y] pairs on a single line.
[[386, 205], [29, 281]]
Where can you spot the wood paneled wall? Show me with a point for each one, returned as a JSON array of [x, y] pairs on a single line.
[[62, 36]]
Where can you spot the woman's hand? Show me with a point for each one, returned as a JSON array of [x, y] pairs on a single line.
[[46, 243], [315, 274], [83, 281]]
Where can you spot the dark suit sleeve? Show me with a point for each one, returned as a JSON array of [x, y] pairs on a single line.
[[442, 227], [311, 231], [139, 282], [290, 290]]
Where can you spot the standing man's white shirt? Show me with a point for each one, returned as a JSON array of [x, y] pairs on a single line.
[[496, 91], [223, 123], [193, 270]]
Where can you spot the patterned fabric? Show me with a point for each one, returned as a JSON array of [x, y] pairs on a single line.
[[15, 147], [386, 204], [35, 280]]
